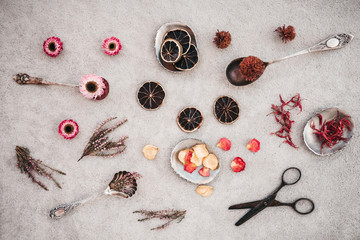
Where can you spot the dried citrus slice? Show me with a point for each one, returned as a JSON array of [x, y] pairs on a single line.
[[151, 95], [189, 119], [226, 110], [171, 51], [211, 161], [180, 35], [188, 60]]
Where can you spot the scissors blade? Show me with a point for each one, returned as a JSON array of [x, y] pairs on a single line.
[[244, 205], [258, 208]]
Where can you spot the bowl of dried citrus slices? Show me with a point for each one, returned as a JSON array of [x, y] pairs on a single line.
[[195, 161]]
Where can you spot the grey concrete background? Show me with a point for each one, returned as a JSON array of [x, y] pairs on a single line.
[[30, 116]]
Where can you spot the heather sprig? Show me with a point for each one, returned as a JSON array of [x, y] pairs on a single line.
[[29, 166], [170, 215], [99, 144]]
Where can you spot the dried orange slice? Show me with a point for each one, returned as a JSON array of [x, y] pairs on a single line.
[[151, 95], [226, 110], [180, 35], [171, 51], [188, 60], [189, 119]]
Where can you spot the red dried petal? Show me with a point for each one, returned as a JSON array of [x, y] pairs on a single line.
[[237, 164], [253, 145], [224, 144]]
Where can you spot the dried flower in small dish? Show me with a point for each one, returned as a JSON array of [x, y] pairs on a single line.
[[286, 34], [53, 46], [251, 68], [68, 129], [112, 46], [189, 119], [222, 39], [151, 95], [226, 110], [29, 166], [94, 87]]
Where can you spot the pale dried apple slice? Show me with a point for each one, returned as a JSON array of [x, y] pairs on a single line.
[[182, 155], [204, 191], [200, 150], [196, 160], [211, 161], [150, 152]]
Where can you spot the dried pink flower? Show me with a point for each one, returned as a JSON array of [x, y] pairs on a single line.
[[94, 87], [53, 46], [111, 46], [68, 129]]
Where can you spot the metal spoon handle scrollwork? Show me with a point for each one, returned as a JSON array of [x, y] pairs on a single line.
[[334, 42]]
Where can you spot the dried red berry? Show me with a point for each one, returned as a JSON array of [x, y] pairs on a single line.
[[205, 172], [251, 68], [222, 39], [237, 164], [190, 167], [253, 145], [287, 34], [224, 144]]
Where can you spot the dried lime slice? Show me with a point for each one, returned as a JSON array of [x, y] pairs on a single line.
[[226, 110], [151, 95], [189, 119], [171, 51], [188, 60], [180, 35]]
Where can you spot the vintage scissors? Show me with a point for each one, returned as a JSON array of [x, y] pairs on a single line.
[[289, 177]]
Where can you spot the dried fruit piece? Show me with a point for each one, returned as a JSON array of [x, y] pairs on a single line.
[[226, 110], [182, 36], [200, 150], [188, 156], [150, 152], [204, 191], [237, 164], [205, 172], [189, 60], [151, 95], [196, 160], [182, 155], [211, 161], [189, 119], [190, 167], [171, 51], [253, 145], [224, 144]]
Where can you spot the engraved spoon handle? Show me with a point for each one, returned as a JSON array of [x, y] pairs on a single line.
[[23, 78], [334, 42], [63, 209]]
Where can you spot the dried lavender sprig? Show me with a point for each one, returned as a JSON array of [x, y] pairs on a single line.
[[28, 165], [99, 144], [170, 214]]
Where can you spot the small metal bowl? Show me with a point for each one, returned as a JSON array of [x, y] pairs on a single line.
[[178, 167], [164, 29], [312, 141]]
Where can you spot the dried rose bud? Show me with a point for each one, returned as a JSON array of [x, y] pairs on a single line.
[[251, 68], [224, 144], [222, 39], [237, 164], [253, 145], [287, 34]]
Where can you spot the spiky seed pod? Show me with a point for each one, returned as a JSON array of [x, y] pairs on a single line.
[[222, 39], [251, 68], [287, 34]]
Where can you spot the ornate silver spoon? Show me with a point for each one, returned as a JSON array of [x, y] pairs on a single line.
[[122, 185], [237, 78], [313, 142]]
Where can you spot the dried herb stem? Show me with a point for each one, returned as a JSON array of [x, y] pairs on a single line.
[[170, 214]]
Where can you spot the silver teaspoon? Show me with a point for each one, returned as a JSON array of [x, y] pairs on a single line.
[[122, 185], [235, 77]]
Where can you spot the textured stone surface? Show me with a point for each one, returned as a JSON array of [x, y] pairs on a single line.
[[30, 116]]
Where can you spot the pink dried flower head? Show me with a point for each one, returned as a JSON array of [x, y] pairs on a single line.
[[111, 46], [94, 87], [287, 34], [53, 46], [68, 129]]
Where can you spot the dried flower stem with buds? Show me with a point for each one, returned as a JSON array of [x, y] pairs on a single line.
[[170, 214], [99, 143], [29, 165]]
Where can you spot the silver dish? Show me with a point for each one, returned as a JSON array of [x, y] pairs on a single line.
[[178, 167], [160, 38], [312, 141]]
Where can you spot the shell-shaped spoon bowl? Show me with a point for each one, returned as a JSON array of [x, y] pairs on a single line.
[[312, 141]]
